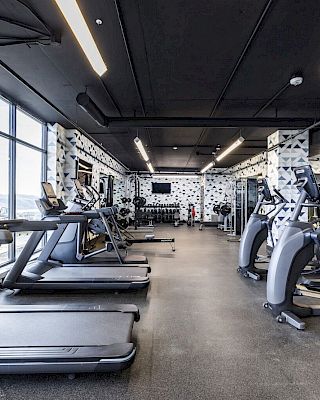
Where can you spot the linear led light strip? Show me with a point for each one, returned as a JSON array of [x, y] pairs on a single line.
[[144, 154], [177, 176], [223, 154], [151, 169], [230, 148], [79, 27], [207, 167]]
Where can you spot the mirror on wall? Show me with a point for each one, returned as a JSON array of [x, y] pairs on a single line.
[[84, 172], [106, 189]]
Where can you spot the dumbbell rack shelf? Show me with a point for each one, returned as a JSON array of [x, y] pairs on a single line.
[[165, 216], [177, 207]]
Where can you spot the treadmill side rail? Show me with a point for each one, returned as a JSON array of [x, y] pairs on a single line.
[[103, 359]]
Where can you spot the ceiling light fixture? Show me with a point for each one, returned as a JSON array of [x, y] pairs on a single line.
[[151, 169], [230, 148], [79, 27], [99, 21], [296, 80], [142, 150], [174, 148], [177, 176], [210, 165]]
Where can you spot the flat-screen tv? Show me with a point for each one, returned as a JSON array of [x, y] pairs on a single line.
[[161, 187]]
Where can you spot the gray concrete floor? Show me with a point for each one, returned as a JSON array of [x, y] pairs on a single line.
[[203, 334]]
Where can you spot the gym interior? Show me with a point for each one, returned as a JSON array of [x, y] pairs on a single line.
[[159, 199]]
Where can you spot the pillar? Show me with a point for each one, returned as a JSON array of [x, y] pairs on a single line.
[[286, 150]]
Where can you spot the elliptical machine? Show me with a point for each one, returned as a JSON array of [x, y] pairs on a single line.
[[292, 253], [257, 230]]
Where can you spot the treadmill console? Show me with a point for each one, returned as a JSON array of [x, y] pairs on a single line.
[[263, 188], [49, 204], [307, 181], [49, 194]]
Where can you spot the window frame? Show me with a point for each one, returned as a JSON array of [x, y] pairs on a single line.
[[13, 141]]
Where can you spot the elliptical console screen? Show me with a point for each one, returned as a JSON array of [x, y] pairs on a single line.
[[264, 188], [306, 178], [50, 194]]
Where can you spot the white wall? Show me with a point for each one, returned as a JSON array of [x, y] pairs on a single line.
[[65, 147], [217, 189], [185, 190]]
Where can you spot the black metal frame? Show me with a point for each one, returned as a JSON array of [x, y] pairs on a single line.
[[13, 141]]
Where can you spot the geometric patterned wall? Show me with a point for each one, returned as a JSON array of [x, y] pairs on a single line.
[[276, 164], [61, 161], [188, 190], [254, 166], [217, 189], [315, 164], [282, 157], [183, 191], [65, 146]]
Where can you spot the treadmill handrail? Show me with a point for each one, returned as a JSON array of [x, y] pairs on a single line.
[[70, 218], [20, 264], [24, 225]]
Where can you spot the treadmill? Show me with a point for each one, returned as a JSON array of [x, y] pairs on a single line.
[[63, 338], [46, 274], [68, 247]]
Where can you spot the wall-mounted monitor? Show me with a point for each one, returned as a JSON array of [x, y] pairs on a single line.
[[161, 187]]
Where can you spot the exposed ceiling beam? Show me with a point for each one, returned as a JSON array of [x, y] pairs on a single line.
[[130, 61], [88, 105], [234, 71], [33, 90], [203, 146]]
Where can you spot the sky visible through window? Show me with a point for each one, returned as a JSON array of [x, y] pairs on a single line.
[[4, 116], [28, 129]]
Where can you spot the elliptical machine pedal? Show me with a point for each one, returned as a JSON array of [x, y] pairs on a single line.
[[249, 274]]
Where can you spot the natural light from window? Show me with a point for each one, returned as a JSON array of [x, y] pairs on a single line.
[[29, 129]]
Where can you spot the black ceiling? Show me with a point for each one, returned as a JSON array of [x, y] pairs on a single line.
[[183, 53]]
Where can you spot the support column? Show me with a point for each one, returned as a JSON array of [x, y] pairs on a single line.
[[62, 154], [284, 153]]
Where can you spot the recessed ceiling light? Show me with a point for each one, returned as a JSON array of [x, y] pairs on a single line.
[[296, 80], [99, 21], [175, 148]]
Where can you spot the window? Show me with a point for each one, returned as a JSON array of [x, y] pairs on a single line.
[[28, 188], [22, 161], [4, 116], [28, 129], [4, 191]]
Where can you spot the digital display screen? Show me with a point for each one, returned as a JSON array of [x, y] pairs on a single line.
[[48, 189], [161, 187], [49, 193]]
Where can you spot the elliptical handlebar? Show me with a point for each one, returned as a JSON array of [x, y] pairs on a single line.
[[263, 188], [95, 196], [280, 197]]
